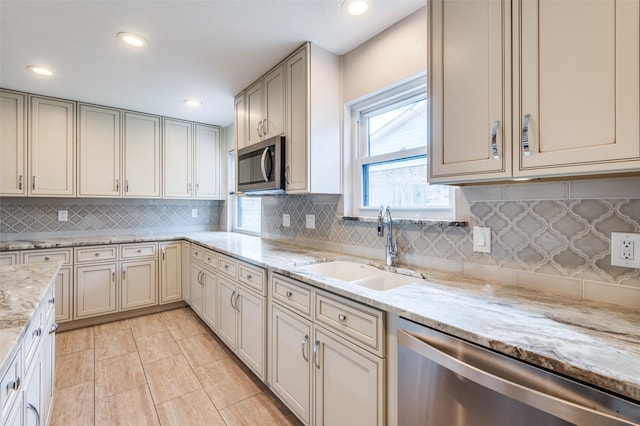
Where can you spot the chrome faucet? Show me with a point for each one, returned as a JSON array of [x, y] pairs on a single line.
[[392, 246]]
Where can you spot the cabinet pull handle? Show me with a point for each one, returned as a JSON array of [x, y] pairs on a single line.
[[189, 187], [525, 136], [259, 128], [342, 317], [286, 175], [237, 304], [163, 254], [52, 301], [315, 353], [117, 185], [14, 385], [33, 183], [126, 185], [288, 293], [54, 328], [265, 127], [113, 276], [123, 275], [197, 188], [494, 140], [35, 411], [200, 281], [37, 332], [304, 343], [231, 300], [20, 182]]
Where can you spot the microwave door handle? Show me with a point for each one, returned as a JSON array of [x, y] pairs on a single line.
[[262, 164]]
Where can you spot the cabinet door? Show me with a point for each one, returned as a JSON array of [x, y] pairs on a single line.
[[170, 272], [210, 306], [254, 115], [63, 294], [291, 345], [470, 90], [349, 383], [177, 159], [197, 288], [95, 290], [52, 147], [273, 113], [208, 162], [240, 120], [297, 142], [186, 272], [48, 369], [33, 394], [13, 144], [99, 152], [227, 318], [141, 155], [139, 284], [251, 344], [578, 96]]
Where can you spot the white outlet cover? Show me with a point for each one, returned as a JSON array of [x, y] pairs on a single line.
[[63, 215], [311, 221], [482, 239], [625, 242], [194, 212], [286, 220]]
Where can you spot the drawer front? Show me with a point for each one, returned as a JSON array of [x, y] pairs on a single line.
[[11, 384], [40, 256], [7, 259], [32, 337], [359, 323], [131, 251], [210, 259], [228, 266], [291, 294], [96, 254], [254, 277], [197, 252]]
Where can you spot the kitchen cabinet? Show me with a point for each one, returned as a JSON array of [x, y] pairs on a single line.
[[142, 155], [186, 272], [96, 290], [312, 135], [240, 120], [327, 355], [265, 106], [207, 162], [52, 152], [13, 143], [537, 113], [8, 258], [138, 284], [99, 148], [177, 159], [204, 284], [170, 272]]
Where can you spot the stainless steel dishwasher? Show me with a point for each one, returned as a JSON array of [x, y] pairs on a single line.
[[445, 381]]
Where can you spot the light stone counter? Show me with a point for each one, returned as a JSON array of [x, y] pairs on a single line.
[[22, 287], [595, 343]]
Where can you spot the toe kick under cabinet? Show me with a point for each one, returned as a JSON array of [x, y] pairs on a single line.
[[327, 355], [115, 278]]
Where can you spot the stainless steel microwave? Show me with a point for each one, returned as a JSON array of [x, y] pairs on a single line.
[[261, 167]]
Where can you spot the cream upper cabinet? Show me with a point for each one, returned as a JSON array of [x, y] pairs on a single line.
[[13, 144], [577, 101], [240, 120], [99, 150], [142, 159], [207, 161], [312, 136], [52, 147], [177, 159], [265, 107], [470, 90]]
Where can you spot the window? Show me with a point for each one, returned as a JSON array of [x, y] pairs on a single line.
[[391, 155], [246, 213]]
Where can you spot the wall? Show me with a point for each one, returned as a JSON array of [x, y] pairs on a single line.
[[37, 218]]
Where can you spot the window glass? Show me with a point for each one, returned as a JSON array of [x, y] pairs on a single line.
[[399, 128], [248, 214]]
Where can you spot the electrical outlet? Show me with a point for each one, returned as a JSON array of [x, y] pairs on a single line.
[[625, 249], [63, 215], [482, 239], [194, 212], [311, 221], [286, 220]]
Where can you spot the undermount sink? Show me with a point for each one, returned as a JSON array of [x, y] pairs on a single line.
[[360, 274]]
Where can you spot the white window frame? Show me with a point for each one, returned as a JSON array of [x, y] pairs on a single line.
[[409, 91]]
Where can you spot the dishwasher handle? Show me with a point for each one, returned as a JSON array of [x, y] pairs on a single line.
[[553, 405]]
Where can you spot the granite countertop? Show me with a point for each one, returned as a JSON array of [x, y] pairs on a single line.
[[593, 342], [22, 287]]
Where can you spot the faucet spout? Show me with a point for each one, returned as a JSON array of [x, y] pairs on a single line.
[[392, 246]]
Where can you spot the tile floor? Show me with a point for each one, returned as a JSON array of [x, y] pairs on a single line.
[[166, 368]]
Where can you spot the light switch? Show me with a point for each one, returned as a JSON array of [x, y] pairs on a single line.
[[482, 239]]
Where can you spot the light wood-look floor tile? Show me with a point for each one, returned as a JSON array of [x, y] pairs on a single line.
[[111, 327], [256, 410], [113, 344], [148, 324], [194, 409], [118, 374], [226, 383], [201, 349], [169, 378], [184, 325], [73, 405], [132, 407], [157, 346], [74, 341], [74, 368]]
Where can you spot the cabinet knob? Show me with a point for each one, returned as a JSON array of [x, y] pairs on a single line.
[[37, 332], [13, 385], [342, 317], [54, 328], [288, 293], [52, 301], [139, 250], [249, 277], [226, 267], [97, 254], [47, 258]]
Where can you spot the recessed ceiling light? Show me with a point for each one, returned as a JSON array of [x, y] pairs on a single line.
[[39, 70], [355, 7], [132, 39], [192, 102]]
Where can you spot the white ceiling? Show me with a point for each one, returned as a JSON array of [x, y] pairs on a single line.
[[209, 49]]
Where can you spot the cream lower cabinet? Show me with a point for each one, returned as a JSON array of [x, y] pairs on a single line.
[[96, 290], [186, 272], [204, 283], [139, 284], [9, 258], [327, 356], [171, 275]]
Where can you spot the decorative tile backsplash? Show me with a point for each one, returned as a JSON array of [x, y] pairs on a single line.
[[22, 217]]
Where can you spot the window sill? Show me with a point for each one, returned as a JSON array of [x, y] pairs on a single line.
[[432, 222]]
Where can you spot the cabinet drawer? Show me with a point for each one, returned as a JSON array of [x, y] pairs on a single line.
[[209, 258], [291, 294], [197, 252], [11, 385], [359, 323], [253, 276], [96, 254], [40, 256], [131, 251], [7, 259], [32, 337], [228, 266]]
